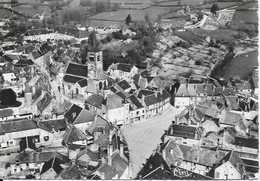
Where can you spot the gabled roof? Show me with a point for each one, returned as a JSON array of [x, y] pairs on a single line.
[[230, 118], [73, 134], [54, 163], [123, 84], [77, 70], [45, 48], [108, 171], [119, 164], [135, 101], [84, 117], [27, 142], [72, 113], [246, 142], [183, 131], [145, 93], [87, 154], [6, 113], [83, 82], [235, 160], [114, 101], [122, 66], [44, 102], [208, 111], [99, 122], [71, 79], [155, 169], [71, 173], [64, 107], [17, 125], [40, 157], [24, 62], [57, 124], [95, 100]]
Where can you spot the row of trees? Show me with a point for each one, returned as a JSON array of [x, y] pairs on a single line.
[[99, 5]]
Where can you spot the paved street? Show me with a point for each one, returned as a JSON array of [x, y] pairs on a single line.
[[143, 137]]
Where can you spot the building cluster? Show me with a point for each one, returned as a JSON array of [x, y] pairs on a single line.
[[65, 120], [215, 136], [64, 124]]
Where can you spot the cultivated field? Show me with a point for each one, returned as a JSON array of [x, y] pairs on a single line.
[[240, 67], [136, 15]]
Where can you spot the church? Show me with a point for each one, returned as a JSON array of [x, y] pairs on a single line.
[[82, 80]]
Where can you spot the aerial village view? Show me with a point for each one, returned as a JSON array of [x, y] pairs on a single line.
[[129, 89]]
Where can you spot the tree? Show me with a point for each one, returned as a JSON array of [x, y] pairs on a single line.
[[147, 18], [214, 8], [7, 97], [128, 20]]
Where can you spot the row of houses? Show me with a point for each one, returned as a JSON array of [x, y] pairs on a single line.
[[208, 140], [84, 145]]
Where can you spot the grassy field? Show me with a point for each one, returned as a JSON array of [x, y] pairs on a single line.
[[240, 67], [221, 5], [28, 10], [136, 15], [182, 2], [222, 34]]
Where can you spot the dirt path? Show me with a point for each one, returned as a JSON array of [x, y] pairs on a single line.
[[143, 137]]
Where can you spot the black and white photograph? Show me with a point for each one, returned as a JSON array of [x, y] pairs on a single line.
[[129, 90]]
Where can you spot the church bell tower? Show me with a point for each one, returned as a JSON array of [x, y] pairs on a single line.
[[94, 58]]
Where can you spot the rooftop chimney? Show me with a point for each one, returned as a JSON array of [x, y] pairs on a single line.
[[164, 154], [122, 150], [109, 160]]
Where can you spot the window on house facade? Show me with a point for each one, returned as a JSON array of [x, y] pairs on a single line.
[[46, 138]]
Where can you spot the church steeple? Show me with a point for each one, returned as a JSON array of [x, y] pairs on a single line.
[[94, 58]]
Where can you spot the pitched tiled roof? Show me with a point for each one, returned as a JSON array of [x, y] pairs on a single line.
[[235, 160], [124, 67], [73, 134], [183, 131], [145, 93], [71, 173], [53, 163], [155, 169], [119, 93], [71, 79], [246, 142], [57, 124], [84, 117], [208, 111], [124, 84], [135, 101], [45, 48], [40, 157], [114, 101], [23, 62], [77, 70], [6, 113], [203, 156], [27, 142], [95, 100], [119, 164], [64, 107], [46, 100], [230, 118], [108, 171], [99, 122], [73, 113], [17, 125], [87, 154], [83, 82]]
